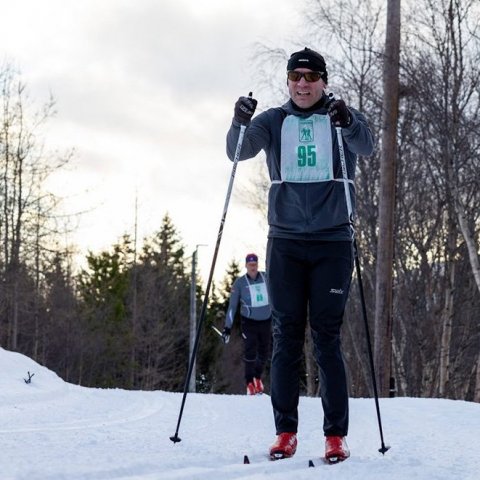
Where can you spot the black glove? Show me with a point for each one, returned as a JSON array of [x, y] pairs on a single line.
[[244, 110], [339, 114], [226, 335]]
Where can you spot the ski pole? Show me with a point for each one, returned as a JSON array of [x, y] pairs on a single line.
[[217, 331], [383, 449], [175, 438]]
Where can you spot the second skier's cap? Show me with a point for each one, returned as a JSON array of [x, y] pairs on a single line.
[[251, 257], [308, 58]]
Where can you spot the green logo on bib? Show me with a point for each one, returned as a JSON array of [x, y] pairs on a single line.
[[305, 130]]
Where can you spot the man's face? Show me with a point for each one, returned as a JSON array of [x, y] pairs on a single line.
[[305, 94], [252, 269]]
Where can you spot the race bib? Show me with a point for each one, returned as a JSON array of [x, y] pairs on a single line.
[[306, 148], [258, 294]]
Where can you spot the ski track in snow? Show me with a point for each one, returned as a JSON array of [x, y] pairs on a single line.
[[52, 430]]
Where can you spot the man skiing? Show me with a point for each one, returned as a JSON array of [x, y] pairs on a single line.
[[250, 291], [309, 249]]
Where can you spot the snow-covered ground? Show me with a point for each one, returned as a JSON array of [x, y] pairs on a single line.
[[50, 430]]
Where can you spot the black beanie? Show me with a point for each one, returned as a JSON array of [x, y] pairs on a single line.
[[308, 58]]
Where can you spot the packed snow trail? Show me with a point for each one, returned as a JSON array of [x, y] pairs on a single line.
[[53, 430]]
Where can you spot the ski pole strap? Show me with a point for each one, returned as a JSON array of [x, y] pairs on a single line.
[[232, 176], [239, 143], [345, 179]]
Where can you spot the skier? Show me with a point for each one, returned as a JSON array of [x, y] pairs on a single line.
[[309, 249], [250, 291]]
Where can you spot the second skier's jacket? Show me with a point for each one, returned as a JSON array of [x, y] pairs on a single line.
[[252, 296]]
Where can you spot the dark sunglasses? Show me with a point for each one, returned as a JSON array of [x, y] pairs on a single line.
[[308, 76]]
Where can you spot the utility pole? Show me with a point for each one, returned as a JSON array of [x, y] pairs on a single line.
[[386, 201], [193, 316], [134, 296]]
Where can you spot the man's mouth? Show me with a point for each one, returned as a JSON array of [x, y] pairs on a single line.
[[303, 94]]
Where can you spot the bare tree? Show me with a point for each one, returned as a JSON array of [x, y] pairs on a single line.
[[446, 81], [26, 213]]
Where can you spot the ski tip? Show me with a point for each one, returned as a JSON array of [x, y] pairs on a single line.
[[310, 463], [246, 460]]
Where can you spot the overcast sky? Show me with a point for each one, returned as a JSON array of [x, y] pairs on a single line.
[[144, 93]]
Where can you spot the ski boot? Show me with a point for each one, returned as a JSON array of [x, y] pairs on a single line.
[[285, 446], [258, 386], [336, 449], [251, 389]]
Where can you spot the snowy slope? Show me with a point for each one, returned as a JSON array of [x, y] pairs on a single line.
[[53, 430]]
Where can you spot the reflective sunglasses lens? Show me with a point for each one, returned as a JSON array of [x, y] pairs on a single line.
[[312, 76], [294, 76]]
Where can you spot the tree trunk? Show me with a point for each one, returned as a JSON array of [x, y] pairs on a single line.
[[447, 318], [476, 394]]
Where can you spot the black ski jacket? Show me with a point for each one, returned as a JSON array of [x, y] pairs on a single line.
[[308, 211]]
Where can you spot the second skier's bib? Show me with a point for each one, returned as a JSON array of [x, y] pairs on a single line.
[[258, 292], [306, 148]]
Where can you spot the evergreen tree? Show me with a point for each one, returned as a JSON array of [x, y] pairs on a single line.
[[163, 293], [231, 367], [62, 339], [209, 371], [103, 288], [232, 273]]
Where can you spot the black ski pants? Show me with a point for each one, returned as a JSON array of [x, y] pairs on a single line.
[[257, 335], [308, 279]]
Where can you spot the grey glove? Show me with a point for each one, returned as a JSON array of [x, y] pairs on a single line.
[[226, 335], [244, 110]]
